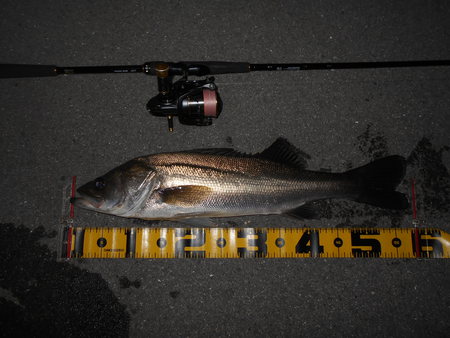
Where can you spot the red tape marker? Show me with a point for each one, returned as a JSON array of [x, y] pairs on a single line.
[[72, 195], [69, 242], [414, 210]]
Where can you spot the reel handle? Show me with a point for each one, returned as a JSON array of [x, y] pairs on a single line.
[[195, 68]]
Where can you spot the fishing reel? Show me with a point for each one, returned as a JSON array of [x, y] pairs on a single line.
[[195, 102]]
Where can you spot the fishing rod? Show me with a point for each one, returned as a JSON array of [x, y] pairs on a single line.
[[195, 102]]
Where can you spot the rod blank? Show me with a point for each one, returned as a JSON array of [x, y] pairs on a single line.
[[205, 68], [347, 65]]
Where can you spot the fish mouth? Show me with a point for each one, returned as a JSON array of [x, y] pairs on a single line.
[[86, 202]]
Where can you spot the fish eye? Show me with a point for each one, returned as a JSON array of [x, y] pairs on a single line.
[[100, 183]]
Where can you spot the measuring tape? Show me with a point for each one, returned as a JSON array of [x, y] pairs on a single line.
[[148, 242]]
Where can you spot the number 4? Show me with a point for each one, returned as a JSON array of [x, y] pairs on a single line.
[[311, 237]]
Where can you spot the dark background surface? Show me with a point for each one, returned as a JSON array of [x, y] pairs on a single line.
[[52, 128]]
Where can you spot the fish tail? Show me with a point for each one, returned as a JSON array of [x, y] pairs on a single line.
[[378, 181]]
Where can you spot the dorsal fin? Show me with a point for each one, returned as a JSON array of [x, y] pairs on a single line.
[[282, 151]]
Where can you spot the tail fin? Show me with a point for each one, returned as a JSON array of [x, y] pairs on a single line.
[[378, 181]]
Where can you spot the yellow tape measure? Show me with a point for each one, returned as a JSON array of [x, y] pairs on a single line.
[[146, 242]]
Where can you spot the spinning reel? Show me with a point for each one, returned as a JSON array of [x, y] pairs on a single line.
[[195, 102]]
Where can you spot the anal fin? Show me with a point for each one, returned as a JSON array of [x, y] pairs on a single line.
[[197, 222], [305, 211]]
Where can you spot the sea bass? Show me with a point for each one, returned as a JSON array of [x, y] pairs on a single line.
[[225, 183]]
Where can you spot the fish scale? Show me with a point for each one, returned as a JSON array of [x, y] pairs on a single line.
[[247, 194], [225, 183]]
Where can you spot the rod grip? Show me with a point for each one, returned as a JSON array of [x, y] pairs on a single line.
[[8, 70], [221, 67]]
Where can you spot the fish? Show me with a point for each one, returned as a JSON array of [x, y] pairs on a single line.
[[222, 182]]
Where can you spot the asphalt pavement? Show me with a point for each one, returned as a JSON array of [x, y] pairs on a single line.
[[84, 125]]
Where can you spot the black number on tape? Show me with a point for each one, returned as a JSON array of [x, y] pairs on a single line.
[[183, 245], [309, 243], [429, 247], [259, 243], [374, 244]]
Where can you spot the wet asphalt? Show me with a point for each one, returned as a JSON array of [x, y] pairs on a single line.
[[53, 128]]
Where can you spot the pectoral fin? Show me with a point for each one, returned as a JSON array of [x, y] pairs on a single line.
[[185, 195]]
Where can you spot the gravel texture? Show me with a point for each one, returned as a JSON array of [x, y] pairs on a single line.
[[52, 128]]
